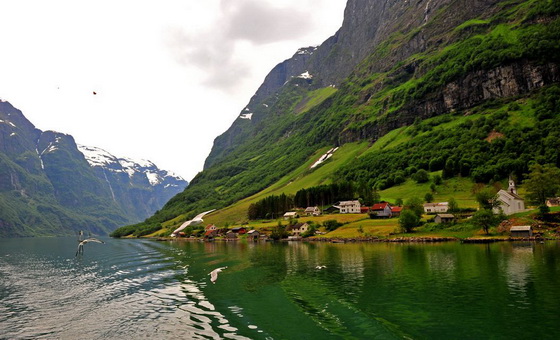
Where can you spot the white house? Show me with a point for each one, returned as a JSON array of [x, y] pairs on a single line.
[[349, 207], [553, 202], [313, 211], [435, 208], [290, 214], [509, 201], [299, 228]]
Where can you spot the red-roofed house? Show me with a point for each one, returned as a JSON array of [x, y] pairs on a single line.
[[396, 211], [382, 209], [210, 231]]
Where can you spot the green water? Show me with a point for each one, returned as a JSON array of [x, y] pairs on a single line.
[[130, 289], [367, 291]]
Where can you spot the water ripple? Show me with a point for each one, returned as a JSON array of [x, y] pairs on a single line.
[[117, 290]]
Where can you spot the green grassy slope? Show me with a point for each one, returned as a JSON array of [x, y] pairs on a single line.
[[384, 124]]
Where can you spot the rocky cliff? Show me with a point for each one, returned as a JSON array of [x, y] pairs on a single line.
[[377, 33]]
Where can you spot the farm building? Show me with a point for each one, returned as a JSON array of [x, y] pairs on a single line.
[[521, 231], [444, 218], [382, 209], [290, 214], [434, 208], [312, 211]]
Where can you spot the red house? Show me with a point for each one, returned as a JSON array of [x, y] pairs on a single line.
[[239, 230], [396, 211], [382, 209]]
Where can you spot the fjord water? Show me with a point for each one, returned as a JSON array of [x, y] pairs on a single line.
[[142, 288]]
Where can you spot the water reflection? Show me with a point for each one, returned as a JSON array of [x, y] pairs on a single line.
[[139, 288]]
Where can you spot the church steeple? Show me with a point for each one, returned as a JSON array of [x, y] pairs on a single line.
[[511, 188]]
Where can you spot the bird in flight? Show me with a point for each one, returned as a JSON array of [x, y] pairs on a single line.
[[82, 241], [214, 274], [195, 221]]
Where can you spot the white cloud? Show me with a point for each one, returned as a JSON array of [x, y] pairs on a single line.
[[170, 75]]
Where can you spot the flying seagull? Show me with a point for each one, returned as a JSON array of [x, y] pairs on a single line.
[[195, 221], [81, 244], [214, 274]]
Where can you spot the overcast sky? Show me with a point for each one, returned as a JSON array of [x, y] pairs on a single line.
[[170, 75]]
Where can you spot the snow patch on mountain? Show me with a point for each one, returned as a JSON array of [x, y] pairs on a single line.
[[98, 157], [323, 158], [7, 122], [305, 75]]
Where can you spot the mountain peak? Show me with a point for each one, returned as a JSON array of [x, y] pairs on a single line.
[[98, 157]]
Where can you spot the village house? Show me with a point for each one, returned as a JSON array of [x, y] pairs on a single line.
[[553, 202], [434, 208], [509, 201], [253, 235], [290, 214], [382, 209], [210, 231], [444, 218], [239, 230], [299, 228], [396, 211], [521, 231], [230, 235], [349, 207], [312, 211]]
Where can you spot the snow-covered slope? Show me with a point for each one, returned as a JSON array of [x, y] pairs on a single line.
[[98, 157]]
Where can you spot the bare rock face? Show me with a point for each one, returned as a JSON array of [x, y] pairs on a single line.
[[505, 81], [509, 80], [366, 25]]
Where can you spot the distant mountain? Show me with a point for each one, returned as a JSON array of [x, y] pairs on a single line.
[[421, 85], [51, 186]]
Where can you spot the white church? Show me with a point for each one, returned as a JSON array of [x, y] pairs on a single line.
[[509, 201]]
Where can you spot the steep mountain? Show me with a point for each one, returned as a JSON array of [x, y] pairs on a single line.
[[437, 76], [138, 187], [48, 186]]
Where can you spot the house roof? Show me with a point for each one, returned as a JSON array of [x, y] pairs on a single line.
[[290, 213], [521, 228], [436, 204], [343, 203], [298, 225], [238, 228], [209, 232], [311, 209], [396, 209], [210, 227], [380, 206], [253, 231], [511, 194]]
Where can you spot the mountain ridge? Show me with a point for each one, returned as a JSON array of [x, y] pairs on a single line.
[[48, 186], [393, 64]]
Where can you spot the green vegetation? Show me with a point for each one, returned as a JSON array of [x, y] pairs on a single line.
[[542, 182], [386, 142]]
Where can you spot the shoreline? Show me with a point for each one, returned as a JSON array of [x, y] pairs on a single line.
[[419, 239]]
